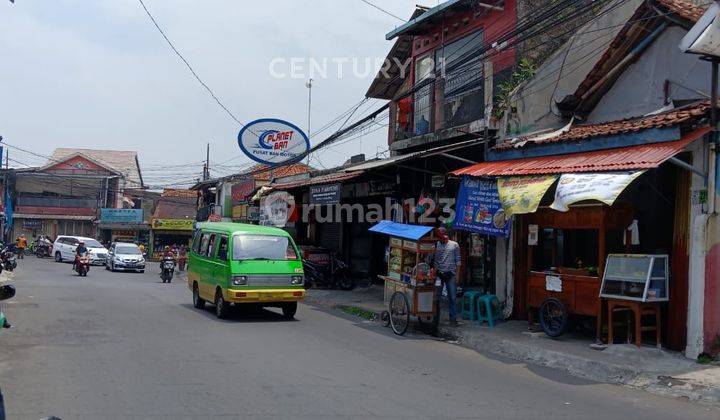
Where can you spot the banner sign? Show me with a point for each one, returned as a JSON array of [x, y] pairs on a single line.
[[522, 194], [479, 210], [121, 215], [271, 141], [241, 191], [325, 194], [32, 224], [381, 187], [604, 187], [277, 209], [173, 224]]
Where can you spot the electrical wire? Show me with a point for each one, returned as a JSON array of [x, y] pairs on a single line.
[[383, 10]]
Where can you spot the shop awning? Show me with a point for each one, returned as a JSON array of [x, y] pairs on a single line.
[[53, 216], [646, 156], [401, 230]]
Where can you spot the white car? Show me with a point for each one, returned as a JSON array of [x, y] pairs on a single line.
[[65, 246], [125, 257]]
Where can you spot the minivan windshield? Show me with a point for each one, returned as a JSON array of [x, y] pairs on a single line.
[[127, 250], [262, 247]]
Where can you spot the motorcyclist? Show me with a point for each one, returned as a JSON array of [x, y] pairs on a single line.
[[79, 251], [167, 253]]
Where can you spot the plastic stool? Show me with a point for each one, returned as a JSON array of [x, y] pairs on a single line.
[[468, 304], [485, 312]]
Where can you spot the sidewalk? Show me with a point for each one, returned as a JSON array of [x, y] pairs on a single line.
[[658, 371]]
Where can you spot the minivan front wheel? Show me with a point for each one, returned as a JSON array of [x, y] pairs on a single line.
[[58, 257], [289, 310], [198, 302], [222, 308]]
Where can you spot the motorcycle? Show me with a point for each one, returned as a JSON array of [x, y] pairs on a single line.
[[7, 259], [42, 250], [167, 266], [6, 292], [334, 275], [82, 264]]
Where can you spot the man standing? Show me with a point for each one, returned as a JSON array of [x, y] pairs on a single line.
[[21, 245], [447, 264]]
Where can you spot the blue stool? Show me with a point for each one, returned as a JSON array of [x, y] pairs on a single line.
[[489, 309], [468, 304]]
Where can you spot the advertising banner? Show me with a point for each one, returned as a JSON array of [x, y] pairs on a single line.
[[173, 224], [604, 187], [276, 209], [478, 208], [325, 194], [32, 224], [241, 191], [121, 215], [522, 194]]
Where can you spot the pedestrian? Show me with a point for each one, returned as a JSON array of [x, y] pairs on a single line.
[[21, 245], [446, 261], [142, 248], [182, 258]]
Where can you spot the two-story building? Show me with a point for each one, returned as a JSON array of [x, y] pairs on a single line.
[[65, 197]]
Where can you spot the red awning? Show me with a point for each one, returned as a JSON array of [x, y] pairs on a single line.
[[645, 156]]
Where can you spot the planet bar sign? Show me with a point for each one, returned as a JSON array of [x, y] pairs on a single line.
[[273, 142]]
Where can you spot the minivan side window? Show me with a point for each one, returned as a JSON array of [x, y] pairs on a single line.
[[211, 247], [204, 244], [72, 241], [222, 253]]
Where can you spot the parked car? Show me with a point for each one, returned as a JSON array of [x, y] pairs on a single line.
[[65, 246], [125, 257]]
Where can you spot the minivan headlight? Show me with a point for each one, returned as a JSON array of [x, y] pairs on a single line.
[[296, 280], [239, 280]]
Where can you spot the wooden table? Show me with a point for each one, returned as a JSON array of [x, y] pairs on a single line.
[[639, 309]]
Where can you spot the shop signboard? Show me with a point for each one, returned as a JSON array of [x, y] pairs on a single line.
[[173, 224], [121, 215], [381, 187], [437, 181], [522, 194], [272, 142], [603, 187], [32, 224], [325, 194], [241, 191], [479, 209]]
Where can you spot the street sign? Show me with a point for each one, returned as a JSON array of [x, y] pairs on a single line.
[[273, 142]]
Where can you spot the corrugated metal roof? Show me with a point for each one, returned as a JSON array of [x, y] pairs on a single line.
[[428, 18], [318, 180], [644, 156]]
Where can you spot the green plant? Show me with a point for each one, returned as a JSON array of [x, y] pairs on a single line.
[[525, 70], [705, 359], [359, 312]]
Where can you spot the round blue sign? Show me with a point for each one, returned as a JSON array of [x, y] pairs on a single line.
[[271, 141]]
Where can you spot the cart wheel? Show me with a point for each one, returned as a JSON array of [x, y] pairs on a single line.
[[553, 317], [399, 313], [385, 318]]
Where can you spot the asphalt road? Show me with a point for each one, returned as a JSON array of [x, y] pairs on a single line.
[[122, 345]]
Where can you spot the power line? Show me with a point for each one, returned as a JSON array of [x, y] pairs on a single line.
[[187, 64], [383, 10]]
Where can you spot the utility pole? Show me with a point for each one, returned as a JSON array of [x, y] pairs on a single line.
[[309, 85], [206, 171]]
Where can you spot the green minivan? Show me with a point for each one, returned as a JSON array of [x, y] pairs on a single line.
[[233, 263]]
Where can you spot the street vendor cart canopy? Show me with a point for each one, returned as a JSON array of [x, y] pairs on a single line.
[[401, 230]]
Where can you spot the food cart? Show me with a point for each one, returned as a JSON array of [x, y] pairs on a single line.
[[558, 290], [410, 282]]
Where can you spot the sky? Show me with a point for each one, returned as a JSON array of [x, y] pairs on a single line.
[[97, 74]]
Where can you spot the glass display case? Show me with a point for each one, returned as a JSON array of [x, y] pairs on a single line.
[[637, 277]]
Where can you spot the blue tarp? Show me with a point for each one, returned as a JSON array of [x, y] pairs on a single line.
[[401, 230]]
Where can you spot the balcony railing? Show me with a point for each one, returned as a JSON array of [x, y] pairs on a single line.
[[57, 202]]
